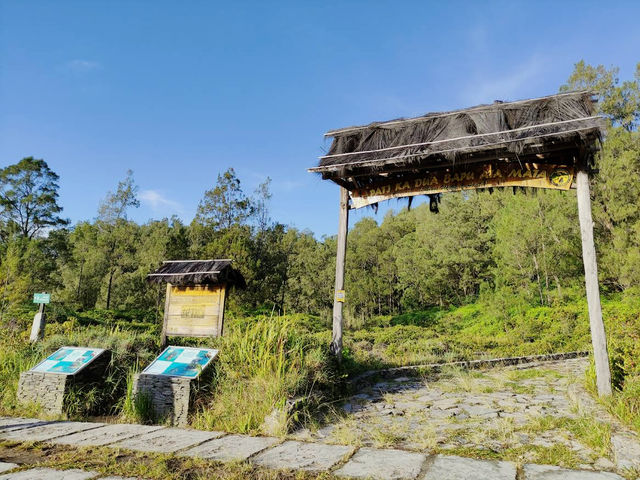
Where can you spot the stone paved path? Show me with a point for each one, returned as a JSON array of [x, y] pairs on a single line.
[[529, 412], [344, 461], [495, 409]]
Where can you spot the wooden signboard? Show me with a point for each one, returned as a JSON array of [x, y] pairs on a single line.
[[558, 177], [194, 311]]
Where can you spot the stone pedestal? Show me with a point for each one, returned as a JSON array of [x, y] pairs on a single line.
[[170, 397], [48, 389], [44, 389]]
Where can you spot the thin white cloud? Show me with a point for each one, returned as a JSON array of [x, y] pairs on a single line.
[[158, 202], [288, 185], [508, 85], [79, 65]]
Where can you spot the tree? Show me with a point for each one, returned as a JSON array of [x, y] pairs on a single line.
[[117, 235], [226, 204], [620, 102], [262, 195], [28, 199], [84, 268], [115, 205], [616, 186]]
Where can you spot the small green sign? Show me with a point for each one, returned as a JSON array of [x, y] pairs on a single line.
[[41, 297]]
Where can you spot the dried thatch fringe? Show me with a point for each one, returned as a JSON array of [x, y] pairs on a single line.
[[197, 272], [514, 125]]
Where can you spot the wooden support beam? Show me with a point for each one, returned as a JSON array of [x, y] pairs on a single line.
[[338, 299], [163, 334], [38, 326], [598, 336]]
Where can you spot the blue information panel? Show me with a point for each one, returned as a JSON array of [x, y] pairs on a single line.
[[181, 362], [68, 360]]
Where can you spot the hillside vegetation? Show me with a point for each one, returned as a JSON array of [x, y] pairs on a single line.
[[490, 275]]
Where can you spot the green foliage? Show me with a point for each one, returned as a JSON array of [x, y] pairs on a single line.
[[28, 199], [105, 397], [620, 102], [471, 332], [226, 204], [138, 407], [265, 361]]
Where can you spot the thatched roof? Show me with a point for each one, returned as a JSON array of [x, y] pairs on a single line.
[[197, 272], [557, 125]]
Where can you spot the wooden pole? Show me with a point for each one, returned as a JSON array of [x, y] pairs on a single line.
[[38, 325], [598, 336], [338, 299], [167, 301]]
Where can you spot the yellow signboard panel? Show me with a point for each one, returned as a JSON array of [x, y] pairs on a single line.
[[467, 178], [196, 311]]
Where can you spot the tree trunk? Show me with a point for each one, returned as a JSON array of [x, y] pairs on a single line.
[[111, 273], [79, 281], [535, 263]]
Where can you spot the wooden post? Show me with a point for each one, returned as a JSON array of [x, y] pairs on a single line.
[[163, 335], [339, 298], [598, 336], [39, 322]]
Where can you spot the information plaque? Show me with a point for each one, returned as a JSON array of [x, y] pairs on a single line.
[[185, 362], [68, 360]]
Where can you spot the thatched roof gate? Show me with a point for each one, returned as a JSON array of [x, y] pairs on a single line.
[[546, 142]]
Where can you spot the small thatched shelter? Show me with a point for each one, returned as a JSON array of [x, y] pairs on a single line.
[[196, 296], [546, 142], [197, 272]]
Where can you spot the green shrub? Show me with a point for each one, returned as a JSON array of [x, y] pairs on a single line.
[[263, 361]]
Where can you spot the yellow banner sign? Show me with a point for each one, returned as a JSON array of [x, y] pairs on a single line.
[[469, 178]]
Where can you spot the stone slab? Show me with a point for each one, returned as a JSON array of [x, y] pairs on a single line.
[[49, 474], [167, 440], [446, 467], [105, 435], [5, 467], [231, 448], [550, 472], [48, 431], [302, 456], [626, 450], [9, 423], [381, 464]]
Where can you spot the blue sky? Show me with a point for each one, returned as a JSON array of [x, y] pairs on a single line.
[[179, 91]]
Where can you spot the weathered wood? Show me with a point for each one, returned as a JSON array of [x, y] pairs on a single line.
[[498, 174], [167, 302], [598, 336], [195, 311], [338, 303], [39, 322], [223, 301]]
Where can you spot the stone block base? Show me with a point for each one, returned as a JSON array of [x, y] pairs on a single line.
[[48, 389], [170, 397], [44, 389]]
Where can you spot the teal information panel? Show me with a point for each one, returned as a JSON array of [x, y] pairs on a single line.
[[68, 360], [41, 297], [181, 362]]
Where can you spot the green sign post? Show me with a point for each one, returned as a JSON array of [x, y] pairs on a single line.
[[41, 297]]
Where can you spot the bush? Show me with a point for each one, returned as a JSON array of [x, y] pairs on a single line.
[[263, 362], [101, 398]]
